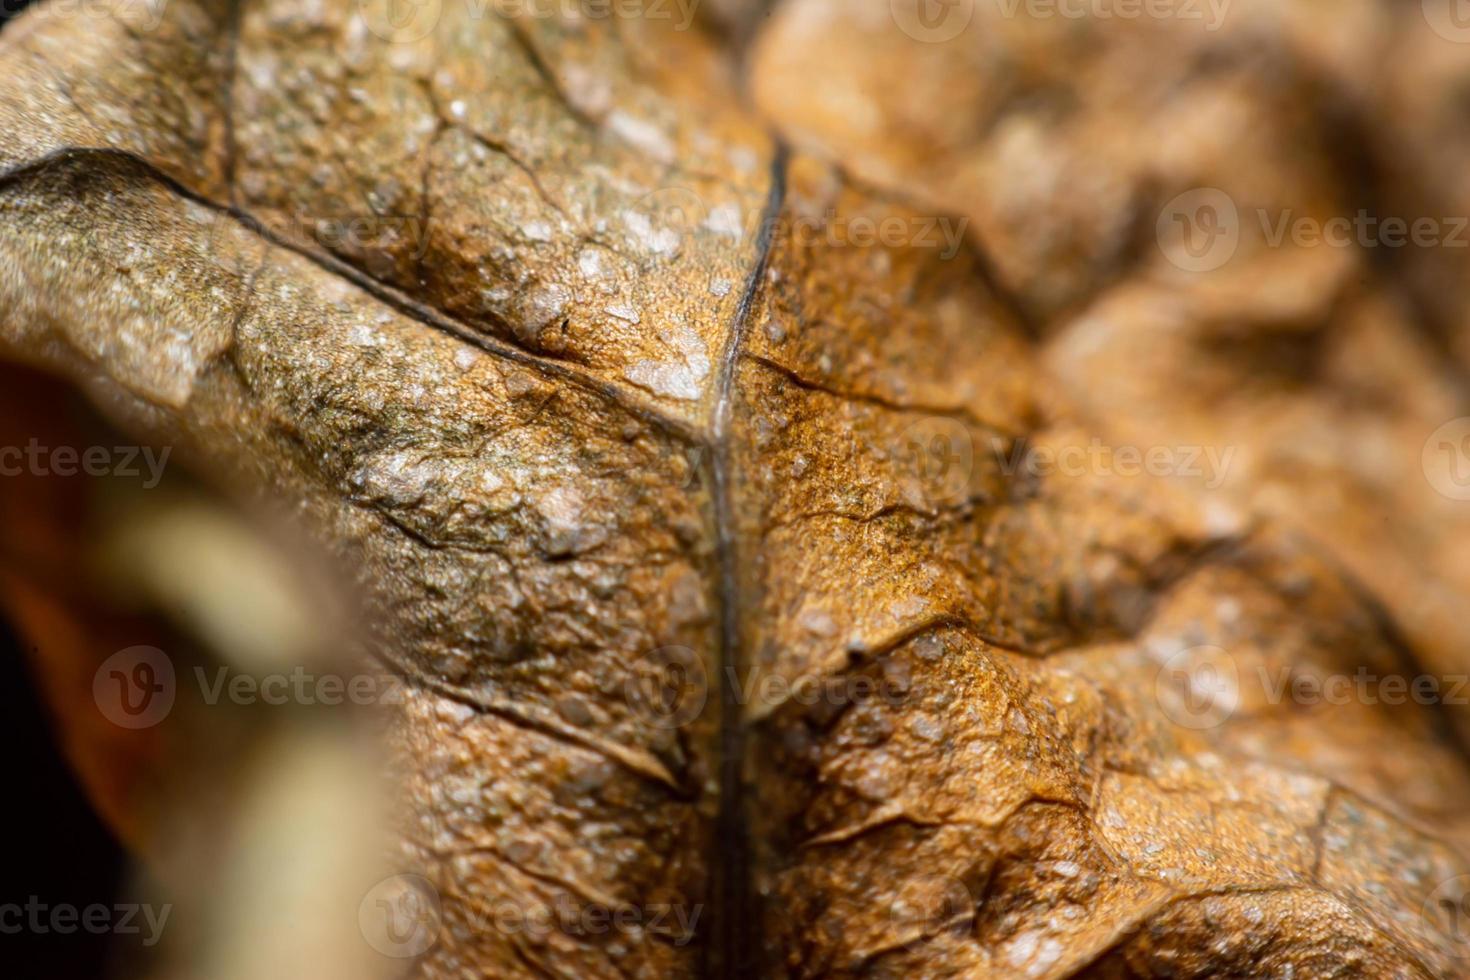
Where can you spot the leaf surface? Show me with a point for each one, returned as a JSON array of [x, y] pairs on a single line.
[[593, 384]]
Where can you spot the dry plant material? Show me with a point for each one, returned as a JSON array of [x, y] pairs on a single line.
[[684, 475]]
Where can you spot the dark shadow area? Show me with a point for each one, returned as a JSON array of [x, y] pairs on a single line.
[[9, 8], [58, 852]]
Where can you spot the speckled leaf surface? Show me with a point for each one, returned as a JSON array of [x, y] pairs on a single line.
[[597, 379]]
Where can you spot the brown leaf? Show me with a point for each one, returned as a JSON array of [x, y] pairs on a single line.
[[691, 483]]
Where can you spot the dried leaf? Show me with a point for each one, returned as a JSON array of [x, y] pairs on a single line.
[[688, 480]]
